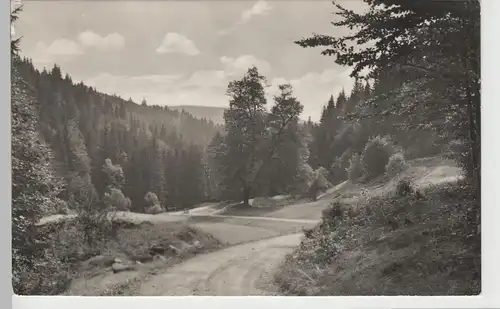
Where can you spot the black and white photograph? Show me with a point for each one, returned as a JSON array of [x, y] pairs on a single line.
[[246, 148]]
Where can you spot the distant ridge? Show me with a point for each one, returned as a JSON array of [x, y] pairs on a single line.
[[216, 114]]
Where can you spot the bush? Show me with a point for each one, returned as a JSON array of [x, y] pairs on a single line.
[[61, 207], [303, 180], [376, 155], [340, 166], [155, 209], [320, 183], [114, 174], [396, 165], [115, 200], [355, 169], [332, 212], [321, 176], [405, 187], [151, 199]]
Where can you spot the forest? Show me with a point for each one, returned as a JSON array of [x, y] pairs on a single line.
[[415, 95]]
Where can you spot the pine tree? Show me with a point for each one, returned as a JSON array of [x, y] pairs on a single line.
[[33, 191]]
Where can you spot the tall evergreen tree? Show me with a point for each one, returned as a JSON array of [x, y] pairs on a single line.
[[34, 188]]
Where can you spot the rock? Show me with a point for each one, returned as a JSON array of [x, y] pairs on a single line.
[[197, 244], [142, 258], [157, 249], [159, 257], [175, 249], [101, 261], [119, 267]]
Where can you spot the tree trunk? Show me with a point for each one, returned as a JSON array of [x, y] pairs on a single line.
[[246, 196]]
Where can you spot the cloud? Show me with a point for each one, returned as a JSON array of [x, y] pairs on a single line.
[[60, 50], [121, 84], [177, 43], [215, 78], [314, 89], [239, 65], [260, 8], [63, 50], [200, 88], [208, 87], [60, 47], [112, 41], [231, 68]]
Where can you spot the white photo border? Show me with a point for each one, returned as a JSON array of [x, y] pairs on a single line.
[[490, 288]]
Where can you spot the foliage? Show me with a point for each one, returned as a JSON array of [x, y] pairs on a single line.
[[259, 145], [304, 180], [114, 174], [319, 182], [340, 166], [376, 155], [151, 199], [14, 43], [355, 170], [389, 241], [435, 81], [114, 199], [396, 164], [84, 128], [155, 209], [34, 189], [404, 187]]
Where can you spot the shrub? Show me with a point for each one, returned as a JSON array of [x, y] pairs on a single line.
[[404, 187], [332, 212], [61, 207], [303, 179], [396, 164], [376, 155], [155, 209], [151, 199], [340, 166], [114, 174], [321, 176], [115, 199], [355, 169], [153, 204], [320, 183]]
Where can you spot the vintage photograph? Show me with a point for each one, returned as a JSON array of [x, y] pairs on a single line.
[[239, 148]]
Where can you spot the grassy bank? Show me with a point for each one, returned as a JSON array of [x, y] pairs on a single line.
[[406, 243]]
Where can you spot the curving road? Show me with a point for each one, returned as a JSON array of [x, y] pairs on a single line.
[[240, 270]]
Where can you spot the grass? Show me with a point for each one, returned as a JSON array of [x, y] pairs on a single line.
[[236, 230], [389, 245]]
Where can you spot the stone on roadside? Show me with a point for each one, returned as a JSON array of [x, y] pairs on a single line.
[[197, 244], [101, 261], [175, 249], [119, 267]]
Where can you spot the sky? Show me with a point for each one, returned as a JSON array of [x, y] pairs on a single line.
[[185, 52]]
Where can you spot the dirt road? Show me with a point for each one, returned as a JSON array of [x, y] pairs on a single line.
[[240, 270]]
